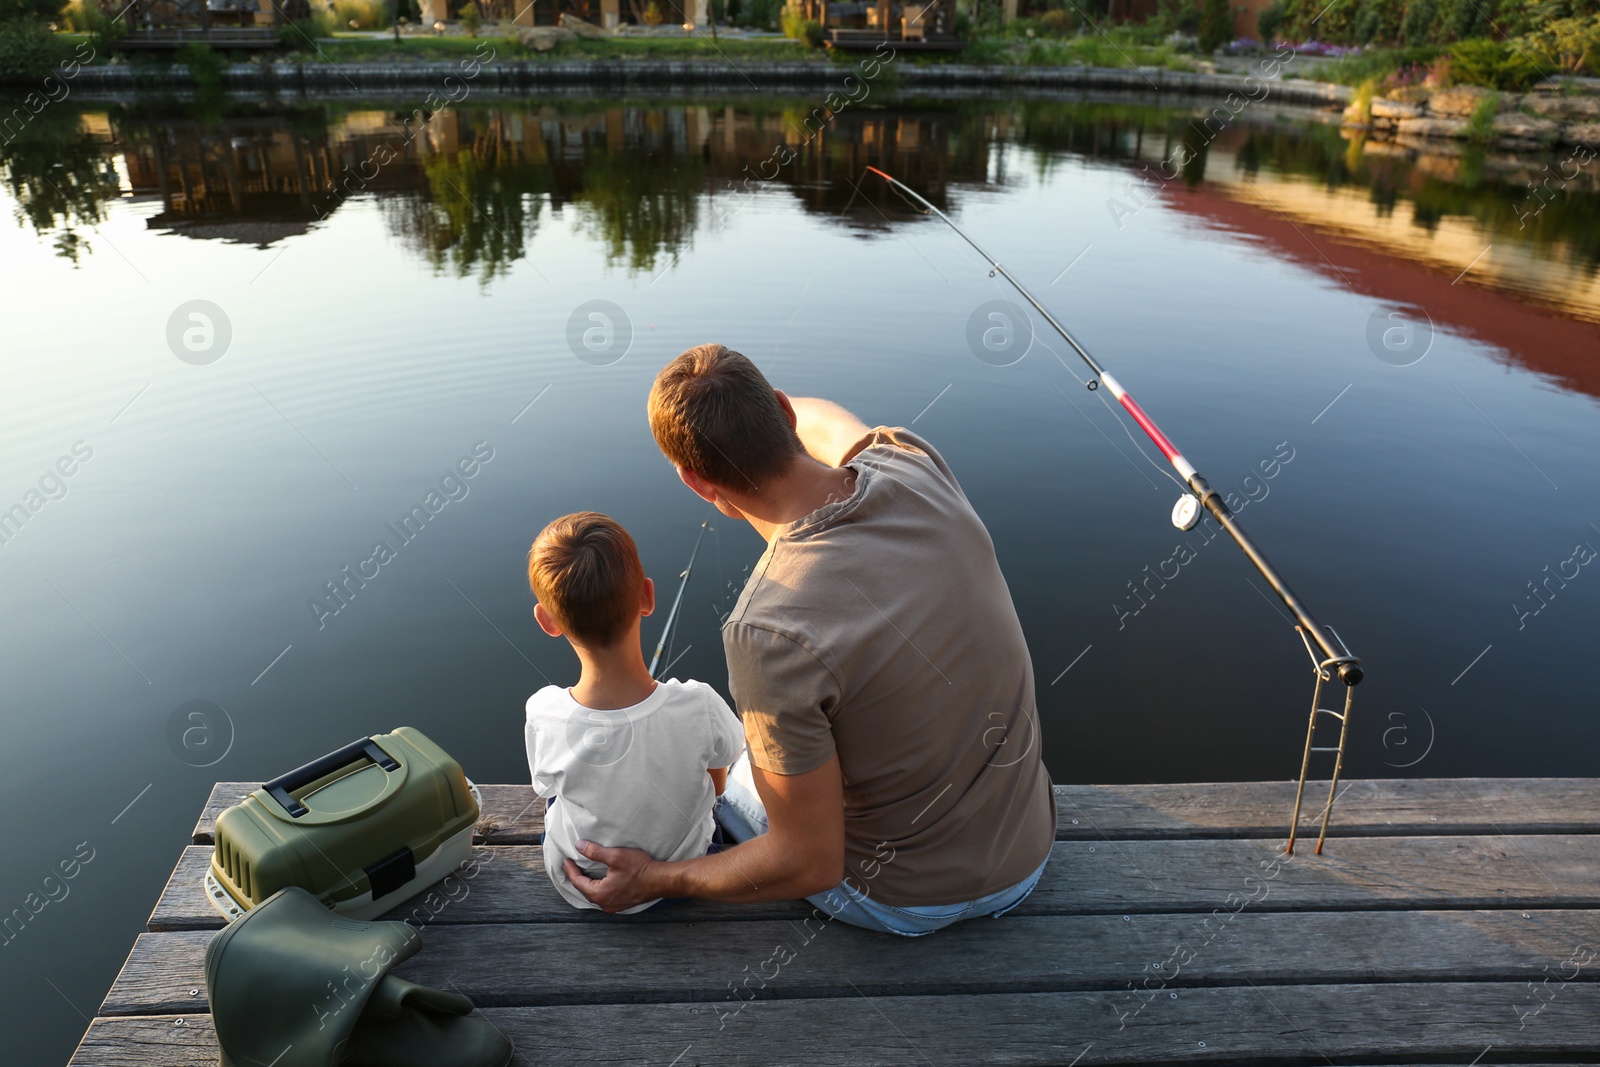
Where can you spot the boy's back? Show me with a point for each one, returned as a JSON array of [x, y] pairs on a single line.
[[635, 776]]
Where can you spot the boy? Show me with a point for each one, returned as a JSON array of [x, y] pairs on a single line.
[[619, 756]]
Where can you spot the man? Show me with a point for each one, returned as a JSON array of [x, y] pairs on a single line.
[[894, 775]]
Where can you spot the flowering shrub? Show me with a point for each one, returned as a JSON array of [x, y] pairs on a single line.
[[1406, 76], [1317, 48]]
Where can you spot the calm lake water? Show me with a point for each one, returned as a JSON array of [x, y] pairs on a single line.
[[1389, 359]]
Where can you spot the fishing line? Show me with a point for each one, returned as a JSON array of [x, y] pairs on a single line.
[[677, 601], [994, 280], [1335, 657]]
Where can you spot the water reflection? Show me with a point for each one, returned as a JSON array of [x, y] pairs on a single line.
[[61, 177], [466, 189]]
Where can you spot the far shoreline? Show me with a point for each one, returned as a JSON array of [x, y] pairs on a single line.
[[511, 74]]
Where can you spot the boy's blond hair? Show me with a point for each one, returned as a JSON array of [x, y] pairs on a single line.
[[584, 568]]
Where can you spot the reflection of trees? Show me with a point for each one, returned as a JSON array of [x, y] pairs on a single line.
[[1060, 131], [642, 202], [479, 212], [467, 191], [1501, 205], [60, 177]]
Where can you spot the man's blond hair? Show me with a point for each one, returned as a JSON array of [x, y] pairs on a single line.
[[715, 415]]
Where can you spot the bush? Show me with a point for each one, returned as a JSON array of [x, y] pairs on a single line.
[[37, 10], [1363, 98], [365, 14], [472, 18], [1383, 64], [87, 17], [652, 14], [1492, 64], [1461, 19], [205, 67], [78, 14], [28, 50], [1480, 126], [796, 25], [300, 35], [1417, 25], [1175, 16], [758, 14], [1216, 26], [1058, 22], [1570, 44], [1269, 20]]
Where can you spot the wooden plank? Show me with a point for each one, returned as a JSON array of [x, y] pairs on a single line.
[[1366, 808], [1387, 807], [150, 1041], [1126, 877], [728, 963], [1283, 1025]]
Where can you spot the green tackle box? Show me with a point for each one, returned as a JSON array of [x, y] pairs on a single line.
[[361, 829]]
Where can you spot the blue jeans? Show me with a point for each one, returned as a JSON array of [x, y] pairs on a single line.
[[741, 815]]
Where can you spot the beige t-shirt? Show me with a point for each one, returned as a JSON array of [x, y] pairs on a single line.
[[880, 627]]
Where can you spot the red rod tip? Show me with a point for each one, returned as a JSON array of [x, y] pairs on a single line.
[[879, 173]]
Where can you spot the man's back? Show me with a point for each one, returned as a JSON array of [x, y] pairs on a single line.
[[881, 627]]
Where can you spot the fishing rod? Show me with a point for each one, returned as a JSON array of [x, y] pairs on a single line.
[[672, 616], [1335, 658]]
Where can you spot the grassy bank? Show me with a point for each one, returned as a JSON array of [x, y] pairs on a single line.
[[1114, 50], [1095, 51], [350, 49]]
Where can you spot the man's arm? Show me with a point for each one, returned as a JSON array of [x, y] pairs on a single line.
[[826, 429], [800, 855]]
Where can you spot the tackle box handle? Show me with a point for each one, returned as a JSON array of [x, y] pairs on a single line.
[[281, 788]]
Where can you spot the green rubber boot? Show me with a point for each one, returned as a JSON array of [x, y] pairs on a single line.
[[291, 984], [407, 1024]]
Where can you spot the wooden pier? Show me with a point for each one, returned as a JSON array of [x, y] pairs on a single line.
[[1449, 921]]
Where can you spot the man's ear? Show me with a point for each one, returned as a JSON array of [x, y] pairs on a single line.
[[788, 407], [547, 622], [647, 598], [702, 488]]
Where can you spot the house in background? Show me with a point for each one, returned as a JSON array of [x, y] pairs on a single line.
[[909, 25], [170, 24]]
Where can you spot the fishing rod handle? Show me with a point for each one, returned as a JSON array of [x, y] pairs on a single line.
[[1349, 668]]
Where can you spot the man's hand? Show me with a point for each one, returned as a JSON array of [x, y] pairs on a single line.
[[802, 852], [626, 882]]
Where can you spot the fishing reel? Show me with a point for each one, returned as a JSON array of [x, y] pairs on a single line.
[[1186, 512]]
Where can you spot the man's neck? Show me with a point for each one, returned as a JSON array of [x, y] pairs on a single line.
[[613, 678], [805, 487]]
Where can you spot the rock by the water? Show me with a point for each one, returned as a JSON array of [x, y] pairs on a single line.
[[1584, 133], [544, 38], [1394, 109], [1515, 127], [1432, 127], [580, 27], [1564, 107], [1459, 102]]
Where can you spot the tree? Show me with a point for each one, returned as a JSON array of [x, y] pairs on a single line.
[[1216, 26], [42, 10]]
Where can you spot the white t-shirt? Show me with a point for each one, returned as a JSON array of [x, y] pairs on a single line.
[[634, 777]]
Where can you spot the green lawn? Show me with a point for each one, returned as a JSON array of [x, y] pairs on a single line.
[[346, 49], [1089, 51], [1119, 49]]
